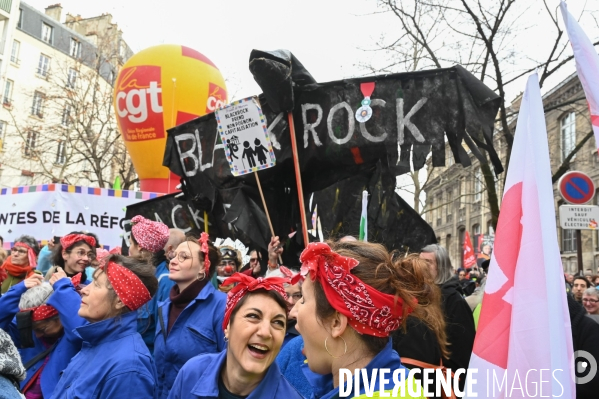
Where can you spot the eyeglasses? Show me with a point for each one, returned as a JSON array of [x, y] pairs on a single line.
[[296, 296], [590, 300], [20, 251], [253, 259], [90, 255], [181, 256]]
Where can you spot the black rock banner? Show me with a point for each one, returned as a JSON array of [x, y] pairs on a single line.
[[412, 115]]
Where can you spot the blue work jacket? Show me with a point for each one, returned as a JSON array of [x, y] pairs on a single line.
[[114, 362], [147, 315], [67, 301], [387, 358], [198, 330], [199, 379]]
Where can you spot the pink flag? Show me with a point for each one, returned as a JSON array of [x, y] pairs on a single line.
[[587, 65], [469, 258], [524, 339]]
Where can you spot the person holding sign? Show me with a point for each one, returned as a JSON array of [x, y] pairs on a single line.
[[20, 264], [254, 325]]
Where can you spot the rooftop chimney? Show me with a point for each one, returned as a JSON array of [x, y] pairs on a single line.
[[54, 11]]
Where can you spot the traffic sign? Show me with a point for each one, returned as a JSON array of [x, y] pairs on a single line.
[[576, 188], [579, 217]]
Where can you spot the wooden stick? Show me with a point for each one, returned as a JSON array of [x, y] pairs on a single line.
[[298, 178], [206, 222], [272, 231]]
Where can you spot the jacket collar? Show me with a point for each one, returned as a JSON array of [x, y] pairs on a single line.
[[207, 385], [109, 329], [387, 358]]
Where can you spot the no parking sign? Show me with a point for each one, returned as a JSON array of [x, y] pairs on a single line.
[[576, 188]]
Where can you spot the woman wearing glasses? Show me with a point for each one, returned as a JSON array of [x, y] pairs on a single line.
[[590, 301], [189, 322], [73, 254], [20, 264]]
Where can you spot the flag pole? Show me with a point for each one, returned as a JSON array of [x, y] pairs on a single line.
[[298, 178], [272, 231]]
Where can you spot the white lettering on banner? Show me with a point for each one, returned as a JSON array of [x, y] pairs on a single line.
[[175, 221], [351, 123], [403, 122], [56, 213], [213, 104], [375, 103], [195, 138], [309, 127], [273, 138], [199, 221], [139, 113]]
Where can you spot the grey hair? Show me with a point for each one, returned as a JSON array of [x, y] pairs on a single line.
[[32, 242], [444, 268], [591, 291], [36, 296]]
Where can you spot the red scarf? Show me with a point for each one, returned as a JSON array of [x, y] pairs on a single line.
[[14, 270], [368, 310], [244, 285]]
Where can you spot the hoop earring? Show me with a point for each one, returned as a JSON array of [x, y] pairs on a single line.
[[327, 349], [201, 279], [226, 340]]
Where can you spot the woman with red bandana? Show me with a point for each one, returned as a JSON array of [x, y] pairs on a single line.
[[254, 324], [42, 329], [20, 264], [354, 297], [73, 254], [189, 321], [113, 362]]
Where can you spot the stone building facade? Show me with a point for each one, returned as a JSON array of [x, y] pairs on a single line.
[[456, 197]]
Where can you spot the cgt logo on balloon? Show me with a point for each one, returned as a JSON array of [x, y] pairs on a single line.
[[139, 103], [217, 98]]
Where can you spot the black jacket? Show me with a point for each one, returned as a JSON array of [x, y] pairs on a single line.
[[460, 325], [585, 337]]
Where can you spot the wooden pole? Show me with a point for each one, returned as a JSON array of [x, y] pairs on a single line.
[[206, 222], [272, 231], [298, 178]]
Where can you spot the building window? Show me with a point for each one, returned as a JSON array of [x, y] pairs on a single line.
[[7, 97], [47, 33], [20, 21], [568, 134], [568, 240], [476, 229], [43, 66], [38, 104], [122, 50], [14, 53], [449, 201], [66, 115], [61, 153], [478, 185], [72, 78], [75, 49], [30, 143], [2, 135]]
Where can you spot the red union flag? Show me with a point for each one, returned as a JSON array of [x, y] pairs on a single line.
[[525, 328], [587, 65], [469, 258]]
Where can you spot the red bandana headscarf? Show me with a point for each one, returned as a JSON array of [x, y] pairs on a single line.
[[70, 239], [43, 311], [369, 311], [293, 277], [18, 270], [151, 236], [245, 284], [128, 287], [205, 249]]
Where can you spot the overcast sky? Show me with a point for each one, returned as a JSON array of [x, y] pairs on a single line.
[[330, 37]]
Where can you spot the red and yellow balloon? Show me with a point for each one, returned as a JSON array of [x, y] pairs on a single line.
[[159, 88]]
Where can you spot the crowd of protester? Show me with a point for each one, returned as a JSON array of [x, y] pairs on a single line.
[[187, 317]]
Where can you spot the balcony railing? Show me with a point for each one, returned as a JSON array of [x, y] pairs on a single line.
[[6, 5]]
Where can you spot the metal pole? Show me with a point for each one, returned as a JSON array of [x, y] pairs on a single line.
[[579, 251]]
